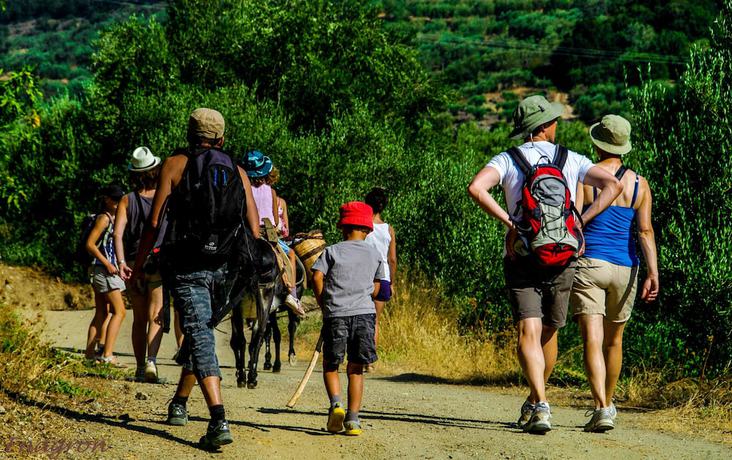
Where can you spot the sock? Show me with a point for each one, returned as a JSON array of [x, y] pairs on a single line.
[[351, 416], [293, 292], [152, 359], [180, 400], [335, 399], [217, 412]]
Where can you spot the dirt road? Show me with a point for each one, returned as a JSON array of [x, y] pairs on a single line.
[[404, 415]]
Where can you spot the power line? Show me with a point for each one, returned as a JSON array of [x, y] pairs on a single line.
[[591, 53]]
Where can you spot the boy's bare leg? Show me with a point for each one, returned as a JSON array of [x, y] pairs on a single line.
[[355, 387], [331, 380], [178, 329], [185, 383], [211, 388]]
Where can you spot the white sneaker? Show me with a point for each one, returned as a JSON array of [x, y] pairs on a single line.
[[539, 423], [294, 305], [151, 372], [601, 421], [613, 411]]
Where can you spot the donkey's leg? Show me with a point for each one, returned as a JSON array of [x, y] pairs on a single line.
[[293, 321], [277, 336], [267, 351], [238, 344]]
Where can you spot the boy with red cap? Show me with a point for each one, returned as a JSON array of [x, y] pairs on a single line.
[[345, 281]]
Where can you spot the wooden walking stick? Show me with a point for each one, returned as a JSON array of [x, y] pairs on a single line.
[[313, 361]]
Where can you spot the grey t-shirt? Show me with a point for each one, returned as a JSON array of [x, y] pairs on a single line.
[[350, 269]]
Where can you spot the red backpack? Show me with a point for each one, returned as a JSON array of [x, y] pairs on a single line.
[[546, 213]]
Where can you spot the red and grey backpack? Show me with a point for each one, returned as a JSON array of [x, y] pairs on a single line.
[[545, 216]]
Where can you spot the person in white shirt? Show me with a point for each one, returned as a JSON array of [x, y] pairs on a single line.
[[539, 297]]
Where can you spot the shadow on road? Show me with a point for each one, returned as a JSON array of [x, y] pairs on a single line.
[[410, 418]]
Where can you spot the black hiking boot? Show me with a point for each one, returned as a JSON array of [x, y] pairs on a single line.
[[217, 435], [177, 415]]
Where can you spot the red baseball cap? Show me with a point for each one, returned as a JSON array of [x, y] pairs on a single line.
[[357, 213]]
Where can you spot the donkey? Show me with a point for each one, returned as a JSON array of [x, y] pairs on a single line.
[[268, 295]]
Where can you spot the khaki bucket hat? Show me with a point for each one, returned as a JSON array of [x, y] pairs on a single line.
[[533, 112], [206, 124], [612, 134]]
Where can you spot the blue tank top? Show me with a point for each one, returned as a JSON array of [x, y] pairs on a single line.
[[106, 244], [609, 236]]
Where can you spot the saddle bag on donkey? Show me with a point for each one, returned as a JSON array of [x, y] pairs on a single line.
[[546, 216]]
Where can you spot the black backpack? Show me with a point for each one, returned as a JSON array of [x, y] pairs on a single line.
[[207, 211], [81, 255]]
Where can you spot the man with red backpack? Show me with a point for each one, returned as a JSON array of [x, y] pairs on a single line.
[[543, 239], [209, 206]]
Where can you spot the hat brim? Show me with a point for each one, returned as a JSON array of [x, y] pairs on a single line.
[[606, 146], [555, 112], [155, 163]]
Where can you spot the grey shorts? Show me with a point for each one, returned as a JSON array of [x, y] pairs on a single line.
[[352, 335], [539, 293], [195, 295], [103, 282]]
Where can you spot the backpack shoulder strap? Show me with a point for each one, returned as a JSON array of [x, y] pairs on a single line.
[[520, 160], [560, 156]]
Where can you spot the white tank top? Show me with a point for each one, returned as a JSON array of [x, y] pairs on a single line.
[[263, 200], [380, 238]]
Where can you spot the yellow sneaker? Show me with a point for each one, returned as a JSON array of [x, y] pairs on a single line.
[[353, 428], [335, 418]]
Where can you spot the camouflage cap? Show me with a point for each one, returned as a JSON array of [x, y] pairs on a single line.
[[206, 124]]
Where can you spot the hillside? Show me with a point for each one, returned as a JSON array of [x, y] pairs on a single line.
[[480, 49]]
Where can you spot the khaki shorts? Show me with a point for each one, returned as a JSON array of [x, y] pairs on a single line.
[[538, 293], [603, 288]]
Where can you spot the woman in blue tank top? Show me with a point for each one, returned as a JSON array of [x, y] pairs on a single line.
[[605, 283]]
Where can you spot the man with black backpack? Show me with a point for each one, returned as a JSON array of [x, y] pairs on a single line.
[[207, 198], [543, 239]]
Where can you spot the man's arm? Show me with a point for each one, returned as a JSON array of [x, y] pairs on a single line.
[[610, 186], [479, 191], [252, 214]]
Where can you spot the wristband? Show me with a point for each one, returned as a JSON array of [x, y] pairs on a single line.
[[122, 262]]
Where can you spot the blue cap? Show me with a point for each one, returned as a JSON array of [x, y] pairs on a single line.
[[257, 164]]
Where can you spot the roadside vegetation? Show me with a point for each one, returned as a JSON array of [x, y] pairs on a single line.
[[323, 89]]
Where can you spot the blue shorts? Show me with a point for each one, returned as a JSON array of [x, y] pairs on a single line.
[[384, 294], [195, 296], [284, 247]]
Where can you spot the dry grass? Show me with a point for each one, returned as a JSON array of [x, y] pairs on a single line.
[[419, 333]]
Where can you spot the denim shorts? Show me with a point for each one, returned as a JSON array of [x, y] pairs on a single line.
[[195, 296], [353, 335]]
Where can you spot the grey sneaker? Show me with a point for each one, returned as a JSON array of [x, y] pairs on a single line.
[[601, 421], [526, 410], [539, 422], [217, 435], [177, 415], [613, 411]]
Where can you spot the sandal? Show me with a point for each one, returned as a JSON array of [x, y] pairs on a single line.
[[112, 361]]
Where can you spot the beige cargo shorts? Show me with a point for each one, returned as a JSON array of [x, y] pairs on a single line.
[[603, 288]]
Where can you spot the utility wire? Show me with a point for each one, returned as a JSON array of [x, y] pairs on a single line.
[[591, 53]]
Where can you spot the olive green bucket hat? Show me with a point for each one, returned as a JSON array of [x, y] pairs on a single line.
[[533, 112], [612, 135]]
